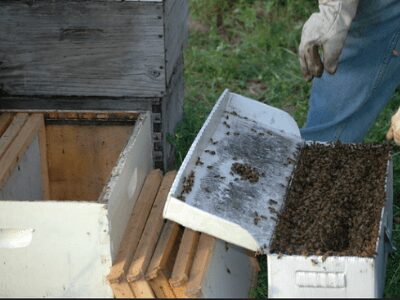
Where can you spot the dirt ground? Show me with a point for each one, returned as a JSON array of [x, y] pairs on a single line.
[[334, 202]]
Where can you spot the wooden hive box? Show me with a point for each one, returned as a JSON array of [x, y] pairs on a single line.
[[68, 183], [96, 55]]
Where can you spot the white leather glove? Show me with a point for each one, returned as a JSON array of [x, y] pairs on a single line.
[[394, 130], [327, 29]]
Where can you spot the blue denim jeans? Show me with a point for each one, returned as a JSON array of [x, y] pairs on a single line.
[[345, 105]]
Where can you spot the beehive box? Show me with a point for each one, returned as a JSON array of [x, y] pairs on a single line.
[[96, 55], [68, 182], [212, 195]]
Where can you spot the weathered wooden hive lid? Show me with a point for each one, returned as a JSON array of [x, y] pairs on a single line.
[[239, 164]]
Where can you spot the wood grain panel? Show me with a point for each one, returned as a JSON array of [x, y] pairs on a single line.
[[18, 146], [184, 261], [81, 158], [151, 232], [162, 262], [85, 48], [176, 33]]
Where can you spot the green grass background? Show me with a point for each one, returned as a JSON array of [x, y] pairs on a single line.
[[250, 47]]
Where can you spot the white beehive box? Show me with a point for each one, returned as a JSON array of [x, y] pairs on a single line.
[[221, 207], [68, 182]]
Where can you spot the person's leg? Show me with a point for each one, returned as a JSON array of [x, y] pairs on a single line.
[[344, 106]]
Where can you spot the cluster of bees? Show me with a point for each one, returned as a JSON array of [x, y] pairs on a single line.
[[246, 172], [187, 185]]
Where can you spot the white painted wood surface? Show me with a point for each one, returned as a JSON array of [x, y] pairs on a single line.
[[25, 182], [230, 273], [65, 248], [69, 253], [127, 178]]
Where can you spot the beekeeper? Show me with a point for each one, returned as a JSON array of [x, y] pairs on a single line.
[[352, 50]]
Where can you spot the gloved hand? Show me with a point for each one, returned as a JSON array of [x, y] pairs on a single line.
[[394, 130], [327, 29]]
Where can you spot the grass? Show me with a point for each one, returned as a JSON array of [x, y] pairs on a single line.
[[250, 47]]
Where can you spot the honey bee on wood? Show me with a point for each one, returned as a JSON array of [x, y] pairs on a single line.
[[226, 124], [227, 133], [209, 167], [314, 262], [279, 255], [236, 133]]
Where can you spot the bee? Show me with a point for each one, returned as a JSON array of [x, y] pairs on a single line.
[[234, 113], [272, 202], [211, 152], [209, 167], [226, 124], [199, 162], [257, 218], [272, 210]]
